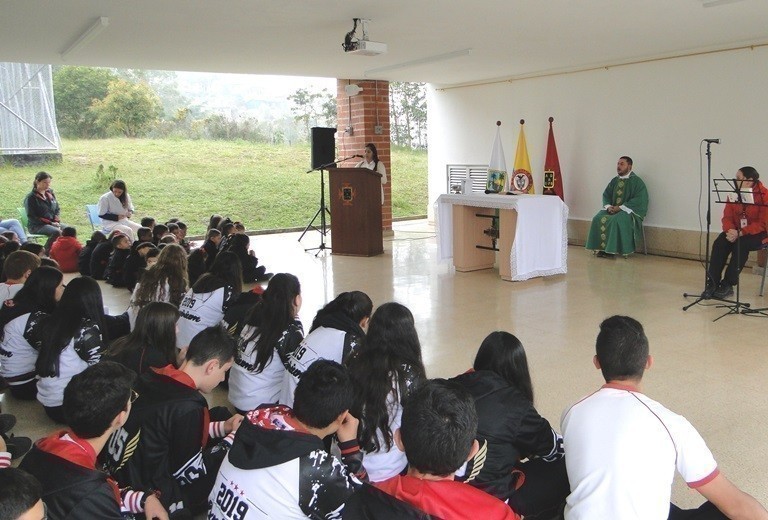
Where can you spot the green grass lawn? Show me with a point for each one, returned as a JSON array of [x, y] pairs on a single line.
[[262, 185]]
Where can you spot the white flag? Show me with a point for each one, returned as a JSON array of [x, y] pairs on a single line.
[[497, 167]]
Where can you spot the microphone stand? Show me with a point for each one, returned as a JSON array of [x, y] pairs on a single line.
[[700, 296], [323, 209]]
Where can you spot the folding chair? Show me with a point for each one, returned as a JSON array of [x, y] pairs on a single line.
[[92, 212], [25, 224]]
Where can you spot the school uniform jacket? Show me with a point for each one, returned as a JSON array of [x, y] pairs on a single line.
[[201, 310], [162, 444], [17, 355], [73, 488], [509, 429], [277, 469]]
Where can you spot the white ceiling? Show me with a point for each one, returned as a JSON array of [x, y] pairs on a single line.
[[508, 38]]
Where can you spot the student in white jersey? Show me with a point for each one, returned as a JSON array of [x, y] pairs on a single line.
[[336, 333], [272, 331], [165, 281], [18, 317], [71, 339], [384, 372], [206, 302], [623, 448]]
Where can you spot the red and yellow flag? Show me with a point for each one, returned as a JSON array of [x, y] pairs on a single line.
[[522, 180], [553, 178]]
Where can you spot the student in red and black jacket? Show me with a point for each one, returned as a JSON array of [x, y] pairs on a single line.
[[97, 402], [278, 462], [164, 445]]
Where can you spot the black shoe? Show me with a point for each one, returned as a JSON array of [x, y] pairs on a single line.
[[18, 446], [724, 290], [7, 422], [603, 254], [709, 291]]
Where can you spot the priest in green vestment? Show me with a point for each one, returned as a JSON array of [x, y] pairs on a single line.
[[625, 203]]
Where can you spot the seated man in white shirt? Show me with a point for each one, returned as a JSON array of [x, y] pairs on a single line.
[[622, 448]]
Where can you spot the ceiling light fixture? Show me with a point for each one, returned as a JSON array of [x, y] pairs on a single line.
[[421, 61], [715, 3], [89, 34]]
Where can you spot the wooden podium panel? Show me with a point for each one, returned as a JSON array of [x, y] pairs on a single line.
[[356, 228]]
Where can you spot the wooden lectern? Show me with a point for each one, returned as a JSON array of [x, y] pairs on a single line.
[[355, 195]]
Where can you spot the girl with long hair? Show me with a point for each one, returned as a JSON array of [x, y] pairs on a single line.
[[206, 302], [152, 342], [18, 317], [510, 429], [337, 332], [272, 331], [71, 339], [166, 281], [372, 162], [115, 210], [383, 372]]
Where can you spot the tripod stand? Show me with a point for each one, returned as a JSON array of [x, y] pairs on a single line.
[[323, 210]]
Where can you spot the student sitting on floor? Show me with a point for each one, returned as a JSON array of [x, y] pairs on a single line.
[[136, 263], [252, 271], [66, 250], [96, 402], [114, 273], [144, 234], [84, 258], [100, 256], [438, 437], [164, 444], [211, 246], [278, 462], [16, 269], [206, 302]]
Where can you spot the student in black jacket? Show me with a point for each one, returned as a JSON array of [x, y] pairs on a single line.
[[100, 259], [136, 263], [510, 429], [96, 402], [84, 260], [113, 274], [211, 246], [252, 271]]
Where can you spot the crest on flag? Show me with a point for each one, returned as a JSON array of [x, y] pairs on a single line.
[[553, 177], [522, 182], [497, 166]]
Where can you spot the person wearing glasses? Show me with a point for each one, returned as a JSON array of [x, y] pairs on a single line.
[[745, 226], [97, 402]]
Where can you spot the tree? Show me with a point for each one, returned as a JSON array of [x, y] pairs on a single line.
[[313, 108], [408, 114], [131, 109], [74, 91]]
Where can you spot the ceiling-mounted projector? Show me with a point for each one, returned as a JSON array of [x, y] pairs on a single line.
[[362, 45]]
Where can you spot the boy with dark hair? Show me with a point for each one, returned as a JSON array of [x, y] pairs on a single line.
[[16, 269], [136, 263], [101, 255], [164, 444], [84, 259], [96, 403], [147, 222], [437, 434], [20, 496], [114, 272], [144, 234], [623, 448], [278, 462]]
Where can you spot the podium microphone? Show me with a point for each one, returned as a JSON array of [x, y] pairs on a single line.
[[358, 156], [714, 141]]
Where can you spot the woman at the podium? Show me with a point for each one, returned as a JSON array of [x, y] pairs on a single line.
[[372, 162]]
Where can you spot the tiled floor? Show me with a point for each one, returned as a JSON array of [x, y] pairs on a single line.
[[710, 372]]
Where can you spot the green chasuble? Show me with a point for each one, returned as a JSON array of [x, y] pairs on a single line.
[[616, 233]]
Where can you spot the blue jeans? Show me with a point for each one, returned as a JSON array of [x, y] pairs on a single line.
[[11, 224]]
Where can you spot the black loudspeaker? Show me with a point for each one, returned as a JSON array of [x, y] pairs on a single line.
[[323, 146]]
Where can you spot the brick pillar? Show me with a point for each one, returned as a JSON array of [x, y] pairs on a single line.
[[360, 113]]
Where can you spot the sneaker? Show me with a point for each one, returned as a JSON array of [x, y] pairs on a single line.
[[724, 290], [709, 290], [18, 446], [7, 422]]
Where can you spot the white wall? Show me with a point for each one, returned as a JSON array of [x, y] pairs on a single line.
[[657, 113]]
